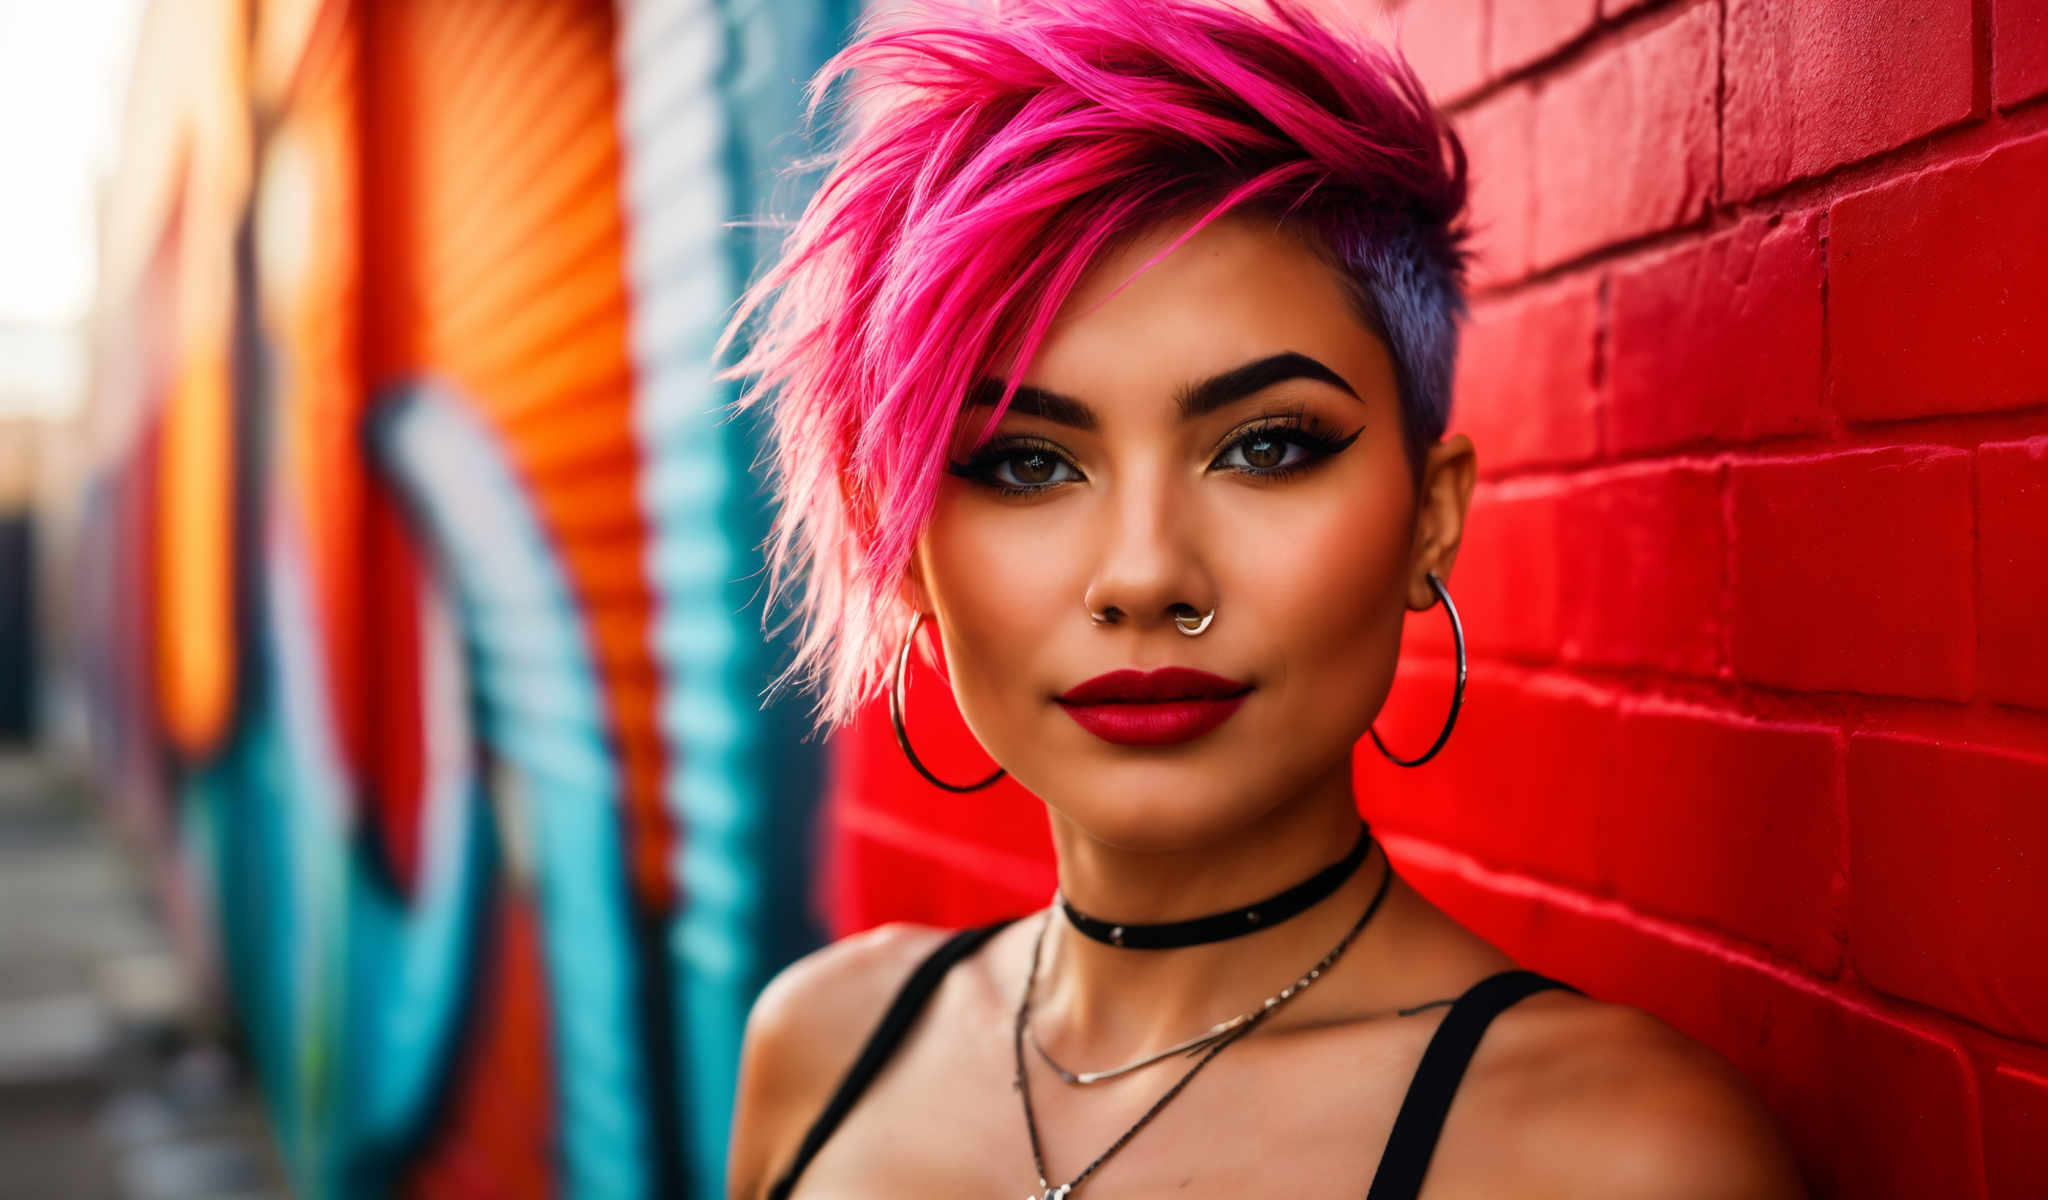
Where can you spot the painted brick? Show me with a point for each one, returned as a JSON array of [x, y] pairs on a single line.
[[1418, 801], [1535, 778], [2019, 50], [1443, 39], [1525, 781], [872, 880], [1719, 341], [1811, 84], [1874, 1106], [1525, 388], [1735, 824], [2012, 564], [1499, 137], [1525, 30], [1506, 580], [1936, 294], [867, 882], [1852, 572], [1642, 581], [1625, 143], [2015, 1133], [1947, 886]]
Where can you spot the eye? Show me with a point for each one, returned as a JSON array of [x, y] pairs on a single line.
[[1015, 468], [1264, 450], [1281, 448]]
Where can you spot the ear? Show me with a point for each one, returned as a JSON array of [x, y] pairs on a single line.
[[1448, 473], [910, 586]]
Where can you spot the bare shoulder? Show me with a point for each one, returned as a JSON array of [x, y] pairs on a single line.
[[1609, 1101], [803, 1033], [838, 992]]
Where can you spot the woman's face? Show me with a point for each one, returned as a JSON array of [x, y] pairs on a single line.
[[1280, 497]]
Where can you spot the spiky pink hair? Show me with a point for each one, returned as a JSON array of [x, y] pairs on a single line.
[[988, 158]]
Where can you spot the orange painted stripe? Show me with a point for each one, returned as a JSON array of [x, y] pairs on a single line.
[[500, 241]]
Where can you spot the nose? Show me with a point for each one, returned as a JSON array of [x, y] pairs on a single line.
[[1148, 563]]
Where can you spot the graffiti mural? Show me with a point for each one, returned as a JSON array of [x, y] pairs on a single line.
[[428, 643]]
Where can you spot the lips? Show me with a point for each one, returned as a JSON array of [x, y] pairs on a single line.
[[1166, 683], [1153, 708]]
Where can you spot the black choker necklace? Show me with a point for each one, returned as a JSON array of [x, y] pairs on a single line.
[[1217, 927]]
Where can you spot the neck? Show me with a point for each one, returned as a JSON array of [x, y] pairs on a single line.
[[1103, 1004]]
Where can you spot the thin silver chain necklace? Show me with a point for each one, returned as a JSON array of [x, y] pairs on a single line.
[[1046, 1189], [1083, 1078]]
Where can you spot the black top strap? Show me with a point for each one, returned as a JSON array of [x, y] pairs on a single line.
[[896, 1022], [1421, 1119]]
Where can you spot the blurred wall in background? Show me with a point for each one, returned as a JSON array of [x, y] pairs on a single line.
[[42, 476], [20, 579], [426, 641]]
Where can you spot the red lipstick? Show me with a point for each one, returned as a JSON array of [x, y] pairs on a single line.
[[1153, 708]]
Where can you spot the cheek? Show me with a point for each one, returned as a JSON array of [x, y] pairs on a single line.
[[999, 581], [1331, 596]]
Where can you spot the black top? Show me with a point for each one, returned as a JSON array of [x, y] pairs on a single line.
[[1409, 1145]]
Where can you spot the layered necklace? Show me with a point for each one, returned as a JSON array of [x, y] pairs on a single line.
[[1214, 927]]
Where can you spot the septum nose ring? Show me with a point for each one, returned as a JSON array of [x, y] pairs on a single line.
[[1187, 622]]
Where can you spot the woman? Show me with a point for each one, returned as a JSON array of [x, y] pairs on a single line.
[[1113, 358]]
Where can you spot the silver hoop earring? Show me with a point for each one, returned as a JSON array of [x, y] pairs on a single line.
[[1443, 594], [896, 718], [1191, 626]]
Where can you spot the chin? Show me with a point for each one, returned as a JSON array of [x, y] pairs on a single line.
[[1158, 806]]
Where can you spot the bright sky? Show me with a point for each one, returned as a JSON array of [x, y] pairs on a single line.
[[63, 73]]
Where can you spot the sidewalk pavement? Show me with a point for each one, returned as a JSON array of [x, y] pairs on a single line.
[[108, 1091]]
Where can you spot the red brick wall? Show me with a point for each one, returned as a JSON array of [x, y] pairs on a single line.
[[1757, 729], [1758, 570]]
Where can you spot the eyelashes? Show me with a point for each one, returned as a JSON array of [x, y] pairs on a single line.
[[1301, 441], [987, 466]]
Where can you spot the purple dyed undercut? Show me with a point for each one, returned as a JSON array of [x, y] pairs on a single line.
[[988, 157]]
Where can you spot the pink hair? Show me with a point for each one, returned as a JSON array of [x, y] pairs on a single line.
[[989, 158]]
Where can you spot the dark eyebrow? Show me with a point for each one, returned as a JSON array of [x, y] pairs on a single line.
[[1193, 401], [1238, 382], [1034, 402]]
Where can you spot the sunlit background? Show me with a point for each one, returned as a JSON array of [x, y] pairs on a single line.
[[67, 65]]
